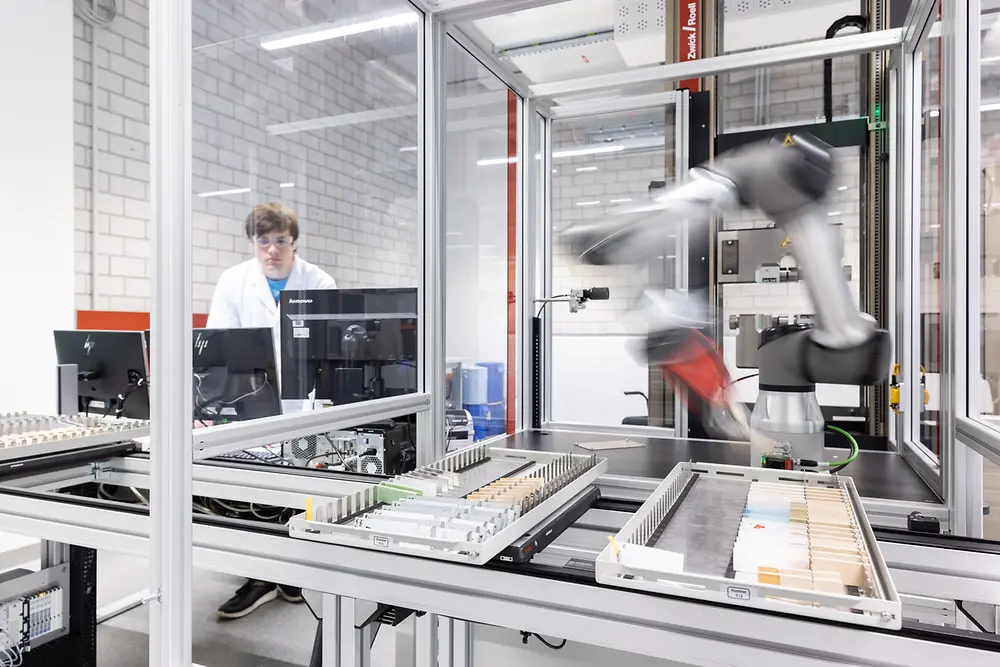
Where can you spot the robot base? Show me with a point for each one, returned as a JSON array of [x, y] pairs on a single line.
[[794, 420]]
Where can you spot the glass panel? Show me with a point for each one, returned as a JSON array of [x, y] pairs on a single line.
[[991, 498], [601, 163], [985, 394], [788, 95], [928, 327], [984, 390], [751, 25], [481, 199], [304, 175], [771, 98]]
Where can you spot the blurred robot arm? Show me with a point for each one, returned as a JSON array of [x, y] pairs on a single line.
[[787, 183]]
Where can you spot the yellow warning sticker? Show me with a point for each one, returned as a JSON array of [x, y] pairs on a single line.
[[788, 140], [787, 242]]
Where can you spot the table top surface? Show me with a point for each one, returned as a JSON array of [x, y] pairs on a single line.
[[882, 475]]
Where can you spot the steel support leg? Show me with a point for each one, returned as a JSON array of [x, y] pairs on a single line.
[[331, 630], [355, 644], [461, 637], [426, 640], [446, 642], [344, 644], [53, 553]]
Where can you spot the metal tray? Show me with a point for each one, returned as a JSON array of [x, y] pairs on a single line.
[[879, 606], [565, 476]]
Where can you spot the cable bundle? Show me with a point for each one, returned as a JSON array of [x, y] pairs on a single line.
[[92, 15]]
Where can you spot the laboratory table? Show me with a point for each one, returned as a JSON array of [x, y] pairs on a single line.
[[881, 475]]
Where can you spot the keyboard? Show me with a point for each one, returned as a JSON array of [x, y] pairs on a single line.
[[255, 455]]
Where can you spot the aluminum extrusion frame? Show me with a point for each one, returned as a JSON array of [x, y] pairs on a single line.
[[779, 55], [656, 626]]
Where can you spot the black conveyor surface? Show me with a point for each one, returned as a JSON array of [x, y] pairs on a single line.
[[883, 475]]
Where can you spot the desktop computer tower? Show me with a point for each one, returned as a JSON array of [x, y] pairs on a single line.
[[384, 448]]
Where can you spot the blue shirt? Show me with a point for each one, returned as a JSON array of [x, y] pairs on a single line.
[[276, 287]]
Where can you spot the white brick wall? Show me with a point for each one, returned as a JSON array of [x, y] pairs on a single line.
[[619, 177], [355, 192]]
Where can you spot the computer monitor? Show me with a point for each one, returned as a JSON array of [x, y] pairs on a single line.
[[348, 345], [235, 375], [109, 365]]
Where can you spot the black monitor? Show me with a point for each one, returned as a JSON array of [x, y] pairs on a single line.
[[111, 369], [235, 375], [348, 345]]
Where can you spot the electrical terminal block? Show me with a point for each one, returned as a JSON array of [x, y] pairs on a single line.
[[21, 429], [42, 614], [27, 620]]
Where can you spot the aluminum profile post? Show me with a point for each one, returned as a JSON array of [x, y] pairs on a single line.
[[170, 396], [431, 82]]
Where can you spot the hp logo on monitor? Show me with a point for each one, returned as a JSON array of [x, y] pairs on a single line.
[[88, 345], [200, 344]]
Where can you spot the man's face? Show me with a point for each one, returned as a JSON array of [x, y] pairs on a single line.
[[275, 252]]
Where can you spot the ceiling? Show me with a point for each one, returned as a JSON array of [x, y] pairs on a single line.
[[580, 38]]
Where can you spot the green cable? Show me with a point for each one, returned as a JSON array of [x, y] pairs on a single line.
[[854, 446]]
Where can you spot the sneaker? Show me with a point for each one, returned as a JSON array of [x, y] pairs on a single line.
[[250, 595], [290, 594]]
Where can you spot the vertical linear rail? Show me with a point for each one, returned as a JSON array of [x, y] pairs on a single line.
[[961, 469], [528, 398], [515, 141], [547, 246], [170, 483], [682, 134], [432, 136]]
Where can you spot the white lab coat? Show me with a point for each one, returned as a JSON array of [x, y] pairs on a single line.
[[243, 298]]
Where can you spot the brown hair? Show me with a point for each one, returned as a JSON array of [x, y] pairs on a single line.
[[272, 217]]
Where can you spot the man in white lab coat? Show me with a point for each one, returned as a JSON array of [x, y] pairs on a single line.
[[247, 295]]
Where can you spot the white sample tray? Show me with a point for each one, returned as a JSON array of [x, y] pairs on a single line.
[[565, 476], [877, 606], [55, 434]]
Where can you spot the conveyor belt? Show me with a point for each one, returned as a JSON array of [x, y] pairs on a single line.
[[47, 462], [573, 575], [883, 475]]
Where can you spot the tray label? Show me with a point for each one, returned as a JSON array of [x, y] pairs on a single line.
[[738, 593], [380, 541]]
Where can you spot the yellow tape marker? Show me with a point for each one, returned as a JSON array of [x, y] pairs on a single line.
[[309, 508], [614, 545]]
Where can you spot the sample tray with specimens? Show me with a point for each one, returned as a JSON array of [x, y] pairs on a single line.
[[467, 507], [793, 542], [24, 435]]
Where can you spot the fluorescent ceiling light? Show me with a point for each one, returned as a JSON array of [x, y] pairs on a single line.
[[596, 202], [623, 200], [833, 214], [990, 107], [842, 188], [286, 185], [223, 193], [324, 32], [991, 59], [586, 168], [408, 149], [593, 150], [496, 160]]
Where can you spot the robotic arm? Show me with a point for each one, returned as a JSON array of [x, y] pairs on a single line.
[[787, 183]]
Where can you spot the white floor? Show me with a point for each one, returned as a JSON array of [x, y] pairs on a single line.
[[276, 635]]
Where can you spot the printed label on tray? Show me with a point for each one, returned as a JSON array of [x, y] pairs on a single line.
[[380, 541], [737, 593]]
